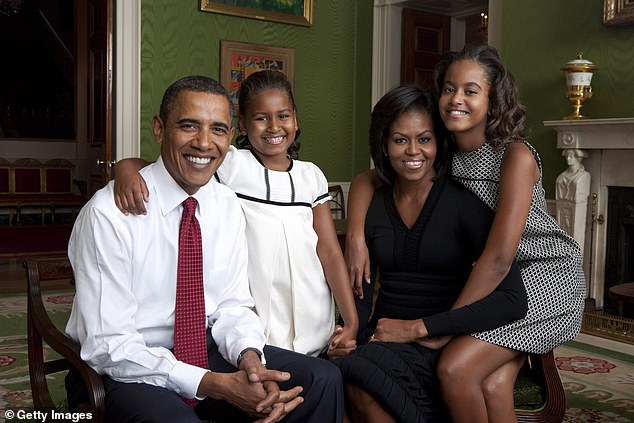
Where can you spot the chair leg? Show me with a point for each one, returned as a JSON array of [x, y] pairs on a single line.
[[555, 407], [39, 387]]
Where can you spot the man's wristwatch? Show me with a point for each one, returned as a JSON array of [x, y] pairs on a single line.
[[255, 350]]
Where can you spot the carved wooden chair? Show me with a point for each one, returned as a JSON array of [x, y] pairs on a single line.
[[337, 204], [41, 328], [539, 393]]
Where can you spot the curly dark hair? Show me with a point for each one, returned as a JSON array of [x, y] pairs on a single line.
[[251, 86], [390, 107], [506, 115]]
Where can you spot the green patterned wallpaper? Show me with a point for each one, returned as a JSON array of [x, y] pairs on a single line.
[[538, 38], [332, 70]]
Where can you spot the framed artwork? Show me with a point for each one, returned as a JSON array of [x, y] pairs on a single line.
[[239, 60], [618, 12], [298, 12]]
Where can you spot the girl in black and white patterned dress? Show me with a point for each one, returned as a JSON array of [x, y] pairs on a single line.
[[479, 104]]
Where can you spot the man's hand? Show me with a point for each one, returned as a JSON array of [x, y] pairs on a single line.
[[261, 399], [287, 401], [256, 373]]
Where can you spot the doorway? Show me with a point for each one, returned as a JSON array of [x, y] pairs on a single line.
[[56, 90], [425, 37], [386, 50]]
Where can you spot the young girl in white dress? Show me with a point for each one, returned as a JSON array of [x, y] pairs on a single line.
[[295, 261]]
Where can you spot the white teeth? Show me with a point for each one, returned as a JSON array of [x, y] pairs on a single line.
[[413, 163], [457, 112], [199, 160], [274, 140]]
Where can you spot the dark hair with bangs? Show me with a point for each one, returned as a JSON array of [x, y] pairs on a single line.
[[250, 87], [506, 115], [390, 107]]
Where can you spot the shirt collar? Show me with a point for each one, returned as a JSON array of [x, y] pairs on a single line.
[[168, 193]]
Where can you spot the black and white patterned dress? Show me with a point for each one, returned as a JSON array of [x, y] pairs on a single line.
[[550, 260]]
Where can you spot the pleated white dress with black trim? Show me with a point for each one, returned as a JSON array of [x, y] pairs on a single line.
[[287, 280]]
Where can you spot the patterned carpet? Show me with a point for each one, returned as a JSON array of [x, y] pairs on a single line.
[[599, 383]]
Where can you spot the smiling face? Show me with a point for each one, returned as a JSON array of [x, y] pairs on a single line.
[[464, 103], [194, 137], [411, 146], [270, 123]]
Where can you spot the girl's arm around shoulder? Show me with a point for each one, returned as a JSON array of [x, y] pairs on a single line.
[[357, 256], [130, 190]]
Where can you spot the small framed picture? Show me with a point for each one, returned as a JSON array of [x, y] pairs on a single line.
[[239, 60]]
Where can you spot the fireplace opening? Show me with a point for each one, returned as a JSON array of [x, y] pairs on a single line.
[[619, 263]]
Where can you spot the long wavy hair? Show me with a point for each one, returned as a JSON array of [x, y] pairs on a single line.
[[506, 115], [390, 107], [250, 87]]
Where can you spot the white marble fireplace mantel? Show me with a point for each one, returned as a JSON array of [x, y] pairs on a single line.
[[610, 147], [601, 134]]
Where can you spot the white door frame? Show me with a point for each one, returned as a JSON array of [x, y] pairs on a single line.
[[128, 79]]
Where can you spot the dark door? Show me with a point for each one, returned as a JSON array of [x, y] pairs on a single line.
[[425, 37], [100, 89]]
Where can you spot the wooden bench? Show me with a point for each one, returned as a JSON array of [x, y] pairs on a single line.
[[47, 187]]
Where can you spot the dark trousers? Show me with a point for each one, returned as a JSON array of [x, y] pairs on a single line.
[[140, 402]]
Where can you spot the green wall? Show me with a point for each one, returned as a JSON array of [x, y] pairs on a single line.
[[332, 70], [538, 38]]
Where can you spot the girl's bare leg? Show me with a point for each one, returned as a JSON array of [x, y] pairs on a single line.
[[464, 366], [498, 391]]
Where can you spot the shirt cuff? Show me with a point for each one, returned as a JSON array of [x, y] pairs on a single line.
[[184, 379], [239, 346]]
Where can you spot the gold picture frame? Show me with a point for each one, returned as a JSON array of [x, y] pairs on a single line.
[[618, 12], [238, 60], [299, 12]]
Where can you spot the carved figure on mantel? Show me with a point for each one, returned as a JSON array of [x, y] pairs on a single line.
[[572, 191]]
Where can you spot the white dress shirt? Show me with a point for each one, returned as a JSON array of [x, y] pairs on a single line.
[[125, 272]]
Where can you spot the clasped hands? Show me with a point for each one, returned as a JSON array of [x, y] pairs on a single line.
[[254, 389], [406, 331], [342, 342]]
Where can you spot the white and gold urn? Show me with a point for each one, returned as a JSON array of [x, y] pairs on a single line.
[[578, 79]]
